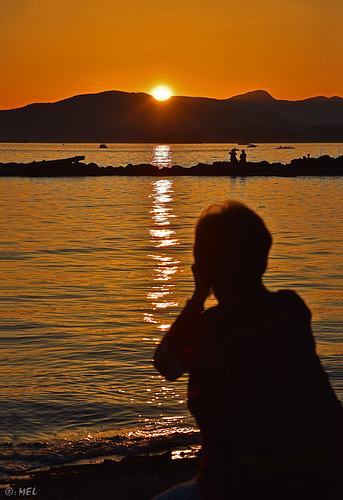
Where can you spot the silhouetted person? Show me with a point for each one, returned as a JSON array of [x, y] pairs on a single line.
[[243, 157], [233, 156], [271, 425]]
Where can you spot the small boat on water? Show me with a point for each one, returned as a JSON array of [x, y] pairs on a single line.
[[103, 146], [285, 147], [247, 144]]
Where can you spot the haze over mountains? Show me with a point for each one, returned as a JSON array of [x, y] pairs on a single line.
[[116, 116]]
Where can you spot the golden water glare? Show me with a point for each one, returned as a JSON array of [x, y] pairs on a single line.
[[162, 236], [161, 156]]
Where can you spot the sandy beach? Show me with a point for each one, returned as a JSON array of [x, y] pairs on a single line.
[[134, 478]]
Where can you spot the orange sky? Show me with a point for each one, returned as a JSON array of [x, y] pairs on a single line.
[[51, 50]]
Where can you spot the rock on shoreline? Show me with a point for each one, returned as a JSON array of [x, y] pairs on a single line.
[[134, 478], [73, 167]]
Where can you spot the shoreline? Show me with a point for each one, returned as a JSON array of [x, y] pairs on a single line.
[[138, 477], [73, 167]]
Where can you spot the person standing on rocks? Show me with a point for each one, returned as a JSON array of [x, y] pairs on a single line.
[[243, 157], [233, 156]]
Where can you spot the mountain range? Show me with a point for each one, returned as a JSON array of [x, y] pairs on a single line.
[[115, 116]]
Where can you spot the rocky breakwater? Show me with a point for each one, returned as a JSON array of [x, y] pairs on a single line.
[[73, 167]]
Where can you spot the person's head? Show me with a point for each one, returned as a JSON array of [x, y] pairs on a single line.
[[231, 246]]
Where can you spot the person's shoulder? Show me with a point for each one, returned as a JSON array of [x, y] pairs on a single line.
[[212, 312], [288, 295], [292, 302], [213, 317]]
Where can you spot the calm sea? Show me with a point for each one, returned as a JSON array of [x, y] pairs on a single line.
[[164, 155], [93, 271]]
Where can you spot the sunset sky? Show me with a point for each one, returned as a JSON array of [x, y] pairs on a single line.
[[51, 50]]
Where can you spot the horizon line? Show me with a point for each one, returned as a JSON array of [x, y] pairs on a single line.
[[173, 96]]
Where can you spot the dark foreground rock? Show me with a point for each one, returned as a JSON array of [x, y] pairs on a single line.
[[73, 167], [136, 478]]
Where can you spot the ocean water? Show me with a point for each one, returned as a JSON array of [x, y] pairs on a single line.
[[93, 272], [164, 155]]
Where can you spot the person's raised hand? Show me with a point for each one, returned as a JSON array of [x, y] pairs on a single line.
[[202, 289]]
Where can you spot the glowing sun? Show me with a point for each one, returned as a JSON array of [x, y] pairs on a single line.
[[161, 93]]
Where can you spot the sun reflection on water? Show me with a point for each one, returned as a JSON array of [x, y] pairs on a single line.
[[161, 156], [165, 265]]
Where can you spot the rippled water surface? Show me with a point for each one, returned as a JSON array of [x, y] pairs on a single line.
[[163, 155], [93, 271]]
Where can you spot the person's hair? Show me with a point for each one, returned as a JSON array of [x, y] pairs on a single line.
[[231, 243]]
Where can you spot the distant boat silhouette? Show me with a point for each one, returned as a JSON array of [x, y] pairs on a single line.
[[285, 147], [247, 143], [103, 146]]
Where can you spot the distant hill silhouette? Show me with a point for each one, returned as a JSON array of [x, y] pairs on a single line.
[[116, 116], [316, 111]]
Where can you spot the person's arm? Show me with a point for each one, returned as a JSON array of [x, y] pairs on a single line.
[[170, 356]]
